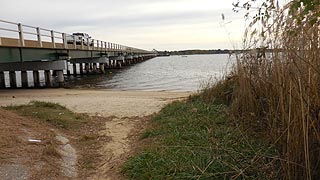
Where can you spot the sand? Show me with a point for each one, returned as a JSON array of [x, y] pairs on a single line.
[[96, 102]]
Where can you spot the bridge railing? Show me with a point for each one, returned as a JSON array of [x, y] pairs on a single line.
[[31, 36]]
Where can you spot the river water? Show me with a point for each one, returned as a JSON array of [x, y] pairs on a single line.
[[170, 73]]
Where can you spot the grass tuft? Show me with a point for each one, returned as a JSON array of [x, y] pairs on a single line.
[[52, 113]]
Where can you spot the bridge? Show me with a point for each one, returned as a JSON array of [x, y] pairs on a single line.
[[27, 51]]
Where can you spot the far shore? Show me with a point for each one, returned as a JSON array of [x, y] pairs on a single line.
[[96, 102]]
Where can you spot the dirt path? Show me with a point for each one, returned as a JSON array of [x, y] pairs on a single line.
[[127, 112], [123, 133]]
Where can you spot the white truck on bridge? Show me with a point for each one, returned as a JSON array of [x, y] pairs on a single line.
[[79, 38]]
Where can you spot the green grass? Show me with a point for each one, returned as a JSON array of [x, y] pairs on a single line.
[[196, 140], [52, 113]]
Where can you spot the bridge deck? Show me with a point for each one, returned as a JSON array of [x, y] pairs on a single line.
[[11, 42], [35, 43]]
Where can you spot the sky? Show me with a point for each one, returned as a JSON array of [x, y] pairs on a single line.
[[146, 24]]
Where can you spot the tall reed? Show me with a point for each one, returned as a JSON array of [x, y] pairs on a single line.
[[277, 91]]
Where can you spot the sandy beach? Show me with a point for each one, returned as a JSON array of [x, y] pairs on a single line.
[[95, 102]]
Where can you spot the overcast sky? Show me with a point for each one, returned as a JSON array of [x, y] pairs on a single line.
[[147, 24]]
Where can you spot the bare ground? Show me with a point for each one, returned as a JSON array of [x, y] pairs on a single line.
[[27, 149]]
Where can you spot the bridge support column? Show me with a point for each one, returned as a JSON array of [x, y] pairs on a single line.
[[110, 63], [90, 67], [24, 67], [91, 64], [24, 79], [68, 69], [60, 78], [94, 67], [36, 79], [119, 64], [102, 67], [2, 81], [13, 80], [81, 68], [48, 78], [87, 68], [74, 68]]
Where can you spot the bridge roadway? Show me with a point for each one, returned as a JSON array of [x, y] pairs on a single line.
[[26, 48]]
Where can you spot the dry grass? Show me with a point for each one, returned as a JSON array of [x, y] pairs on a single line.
[[81, 129], [278, 95]]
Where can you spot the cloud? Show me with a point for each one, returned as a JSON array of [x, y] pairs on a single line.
[[177, 24]]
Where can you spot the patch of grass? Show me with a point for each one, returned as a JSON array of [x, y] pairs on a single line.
[[195, 140], [52, 113]]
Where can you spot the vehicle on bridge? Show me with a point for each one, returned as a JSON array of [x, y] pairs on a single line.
[[79, 38]]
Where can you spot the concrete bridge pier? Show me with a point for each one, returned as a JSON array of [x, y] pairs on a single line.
[[81, 68], [101, 67], [24, 79], [140, 58], [36, 79], [74, 67], [68, 69], [90, 67], [117, 61], [2, 81], [60, 78], [110, 63], [94, 68], [24, 67], [91, 64], [135, 58], [128, 62], [115, 64], [118, 64], [128, 59], [13, 79], [48, 78], [144, 58], [87, 68]]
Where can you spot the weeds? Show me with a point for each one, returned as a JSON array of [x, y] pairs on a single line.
[[277, 92]]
